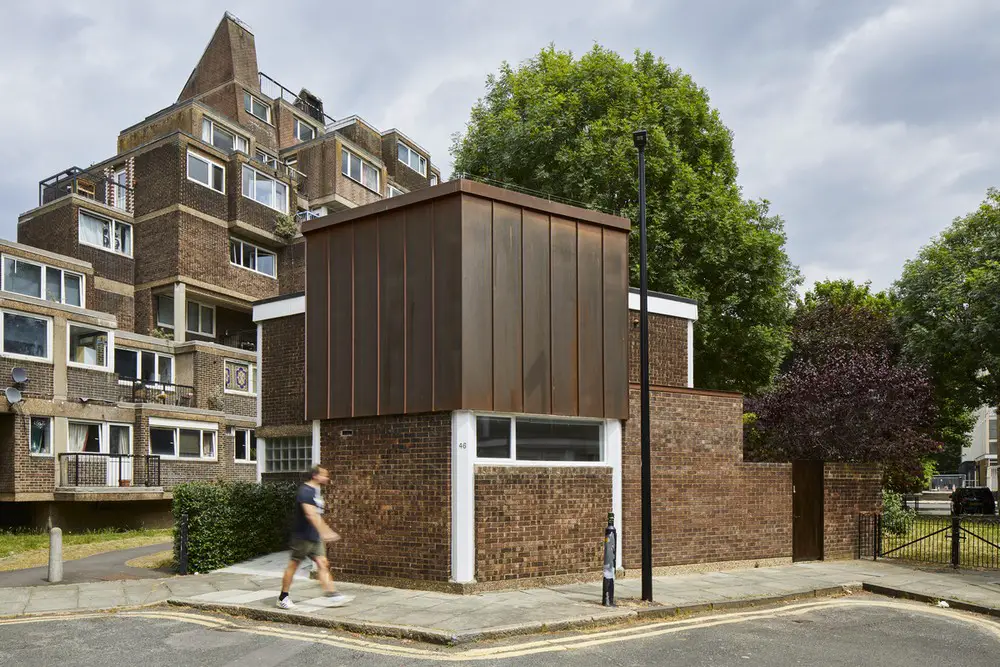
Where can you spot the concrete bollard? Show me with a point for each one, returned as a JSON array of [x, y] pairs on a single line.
[[55, 556]]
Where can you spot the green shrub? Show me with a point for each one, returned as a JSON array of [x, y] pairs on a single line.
[[896, 519], [230, 522]]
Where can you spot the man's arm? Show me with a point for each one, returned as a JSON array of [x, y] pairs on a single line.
[[325, 532]]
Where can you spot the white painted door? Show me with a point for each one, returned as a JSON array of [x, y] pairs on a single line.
[[119, 446]]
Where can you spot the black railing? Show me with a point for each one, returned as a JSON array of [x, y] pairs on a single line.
[[135, 390], [242, 340], [93, 184], [959, 541], [271, 88], [93, 469]]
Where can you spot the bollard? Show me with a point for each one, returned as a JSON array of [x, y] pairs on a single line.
[[610, 559], [182, 548], [55, 556]]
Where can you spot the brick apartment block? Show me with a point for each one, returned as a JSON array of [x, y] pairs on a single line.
[[127, 299]]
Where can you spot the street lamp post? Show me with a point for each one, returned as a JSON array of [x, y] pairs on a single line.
[[639, 138]]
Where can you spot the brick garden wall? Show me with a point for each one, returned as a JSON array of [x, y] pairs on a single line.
[[708, 505], [668, 364], [848, 490], [390, 495], [534, 522]]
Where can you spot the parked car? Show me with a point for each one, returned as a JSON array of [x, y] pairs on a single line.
[[973, 500]]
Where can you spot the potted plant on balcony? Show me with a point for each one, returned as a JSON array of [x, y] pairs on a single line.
[[124, 482]]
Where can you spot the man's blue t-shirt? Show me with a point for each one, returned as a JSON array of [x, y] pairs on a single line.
[[303, 529]]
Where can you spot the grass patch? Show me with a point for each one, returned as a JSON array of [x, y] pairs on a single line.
[[155, 561], [23, 549], [928, 539]]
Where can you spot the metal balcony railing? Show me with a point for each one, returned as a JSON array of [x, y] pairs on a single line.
[[94, 184], [93, 469], [135, 390], [276, 91], [242, 340]]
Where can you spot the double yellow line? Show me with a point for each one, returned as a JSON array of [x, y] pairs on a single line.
[[521, 649]]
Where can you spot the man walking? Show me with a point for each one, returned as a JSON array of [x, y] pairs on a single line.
[[309, 537]]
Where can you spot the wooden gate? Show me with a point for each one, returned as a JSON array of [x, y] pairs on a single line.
[[807, 510]]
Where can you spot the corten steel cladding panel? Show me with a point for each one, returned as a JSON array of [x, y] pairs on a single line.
[[465, 296]]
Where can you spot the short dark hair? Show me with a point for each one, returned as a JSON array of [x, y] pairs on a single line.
[[315, 470]]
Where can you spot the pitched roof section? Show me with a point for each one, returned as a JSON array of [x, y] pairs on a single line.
[[231, 55]]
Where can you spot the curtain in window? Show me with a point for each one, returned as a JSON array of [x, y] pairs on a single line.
[[77, 437], [93, 231], [119, 440]]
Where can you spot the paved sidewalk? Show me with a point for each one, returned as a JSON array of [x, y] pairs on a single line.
[[108, 566], [454, 619]]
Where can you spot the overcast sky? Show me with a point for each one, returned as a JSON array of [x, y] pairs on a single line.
[[869, 124]]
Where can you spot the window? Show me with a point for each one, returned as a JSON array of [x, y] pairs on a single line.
[[304, 131], [164, 311], [221, 138], [264, 189], [181, 440], [246, 445], [359, 170], [40, 442], [412, 159], [992, 444], [288, 455], [27, 278], [256, 108], [240, 377], [538, 439], [208, 173], [144, 365], [85, 437], [254, 258], [266, 158], [89, 346], [120, 199], [105, 233], [391, 191], [200, 318], [434, 179], [26, 336]]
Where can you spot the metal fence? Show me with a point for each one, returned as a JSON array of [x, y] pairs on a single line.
[[958, 541], [134, 390], [94, 469]]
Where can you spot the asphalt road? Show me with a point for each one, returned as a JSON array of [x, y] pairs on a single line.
[[108, 566], [874, 632]]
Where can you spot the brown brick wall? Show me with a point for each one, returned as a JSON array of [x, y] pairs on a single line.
[[92, 385], [848, 490], [292, 268], [708, 505], [158, 174], [282, 390], [20, 472], [390, 495], [54, 230], [39, 384], [364, 137], [543, 521], [145, 313], [354, 191], [668, 364], [119, 305], [399, 172], [205, 257], [157, 248]]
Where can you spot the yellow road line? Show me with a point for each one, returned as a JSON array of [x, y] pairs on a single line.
[[558, 644]]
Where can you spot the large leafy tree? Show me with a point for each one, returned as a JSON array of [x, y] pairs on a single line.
[[563, 127], [846, 393]]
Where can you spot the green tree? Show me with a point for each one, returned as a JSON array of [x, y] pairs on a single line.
[[563, 126]]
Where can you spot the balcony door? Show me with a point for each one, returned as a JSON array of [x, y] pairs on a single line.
[[120, 449], [121, 189]]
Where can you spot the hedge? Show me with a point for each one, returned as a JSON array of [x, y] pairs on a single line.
[[230, 522]]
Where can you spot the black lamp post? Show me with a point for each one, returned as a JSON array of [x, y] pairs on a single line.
[[639, 138]]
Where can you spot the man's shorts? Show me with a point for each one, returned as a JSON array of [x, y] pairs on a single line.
[[302, 549]]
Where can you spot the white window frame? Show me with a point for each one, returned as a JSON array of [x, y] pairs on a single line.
[[378, 172], [434, 179], [251, 368], [27, 357], [512, 460], [177, 425], [156, 362], [210, 162], [270, 448], [248, 100], [240, 142], [201, 306], [251, 433], [266, 158], [104, 442], [115, 224], [257, 250], [109, 354], [302, 124], [410, 152], [254, 188], [392, 191], [157, 309], [42, 455], [45, 269]]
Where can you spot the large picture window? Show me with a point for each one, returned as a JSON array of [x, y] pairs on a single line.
[[206, 172], [26, 336], [42, 281], [143, 365], [288, 454], [182, 440], [105, 233], [359, 169], [412, 159], [89, 346], [264, 189], [248, 256], [538, 439], [221, 138]]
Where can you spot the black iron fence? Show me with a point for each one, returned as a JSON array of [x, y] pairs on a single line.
[[243, 340], [93, 469], [134, 390], [93, 184], [958, 541]]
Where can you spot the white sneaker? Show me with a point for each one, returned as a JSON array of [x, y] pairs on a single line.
[[335, 599], [286, 603]]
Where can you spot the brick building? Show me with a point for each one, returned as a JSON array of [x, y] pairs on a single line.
[[470, 379], [128, 296]]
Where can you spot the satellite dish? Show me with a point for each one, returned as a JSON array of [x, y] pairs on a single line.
[[13, 395], [19, 374]]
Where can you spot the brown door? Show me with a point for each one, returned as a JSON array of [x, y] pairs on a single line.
[[807, 510]]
